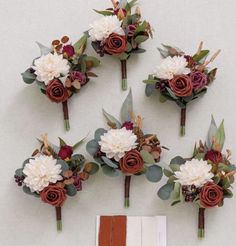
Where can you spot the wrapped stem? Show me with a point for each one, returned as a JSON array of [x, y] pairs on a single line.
[[58, 216], [66, 115], [182, 121], [124, 75], [201, 222], [127, 189]]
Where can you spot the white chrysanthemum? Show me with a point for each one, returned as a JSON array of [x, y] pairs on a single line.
[[50, 66], [102, 28], [195, 172], [40, 172], [171, 66], [116, 142]]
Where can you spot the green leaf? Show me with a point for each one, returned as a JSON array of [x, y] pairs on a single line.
[[62, 142], [93, 59], [109, 171], [19, 172], [130, 5], [165, 191], [27, 191], [164, 53], [123, 56], [76, 145], [228, 193], [80, 43], [127, 108], [226, 183], [138, 51], [28, 77], [43, 49], [175, 202], [71, 190], [129, 47], [105, 12], [77, 160], [178, 160], [95, 168], [211, 132], [220, 137], [211, 75], [167, 173], [203, 54], [176, 192], [141, 28], [171, 93], [109, 162], [150, 89], [111, 119], [26, 162], [175, 167], [98, 133], [147, 157], [154, 173], [64, 165], [141, 38], [92, 147], [150, 81]]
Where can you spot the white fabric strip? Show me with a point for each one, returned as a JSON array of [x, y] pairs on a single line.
[[97, 229], [161, 230], [149, 231], [134, 231]]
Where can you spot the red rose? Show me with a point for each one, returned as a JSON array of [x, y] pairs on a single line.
[[131, 30], [56, 91], [53, 195], [65, 152], [211, 195], [68, 50], [132, 162], [77, 75], [214, 156], [199, 80], [115, 44], [181, 85]]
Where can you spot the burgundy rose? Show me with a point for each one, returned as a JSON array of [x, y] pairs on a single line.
[[76, 75], [53, 195], [211, 195], [56, 91], [65, 152], [68, 50], [132, 162], [181, 85], [128, 125], [131, 30], [77, 183], [199, 80], [115, 44], [214, 156], [190, 60]]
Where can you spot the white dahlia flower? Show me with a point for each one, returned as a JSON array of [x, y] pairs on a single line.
[[40, 172], [195, 172], [116, 142], [171, 66], [50, 66], [102, 28]]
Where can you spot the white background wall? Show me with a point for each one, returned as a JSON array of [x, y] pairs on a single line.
[[25, 114]]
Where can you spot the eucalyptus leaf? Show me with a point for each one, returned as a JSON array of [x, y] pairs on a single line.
[[92, 147], [19, 172], [98, 133], [71, 190], [28, 77], [94, 168], [138, 51], [154, 173], [167, 173], [41, 84], [175, 167], [171, 93], [64, 165], [28, 192], [141, 38], [147, 157], [150, 88], [93, 59], [127, 108], [178, 160], [111, 119], [165, 191], [109, 171], [109, 162]]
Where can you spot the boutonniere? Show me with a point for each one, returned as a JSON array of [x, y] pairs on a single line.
[[61, 71], [181, 78], [205, 179], [53, 173], [125, 149], [119, 33]]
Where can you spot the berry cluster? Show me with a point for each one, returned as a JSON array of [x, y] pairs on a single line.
[[19, 179], [190, 192]]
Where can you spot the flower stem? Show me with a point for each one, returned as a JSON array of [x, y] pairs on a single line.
[[124, 75], [58, 216], [127, 189], [201, 222], [182, 121], [66, 115]]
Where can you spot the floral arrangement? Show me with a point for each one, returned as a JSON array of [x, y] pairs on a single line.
[[61, 71], [181, 78], [119, 33], [124, 148], [205, 179], [53, 173]]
